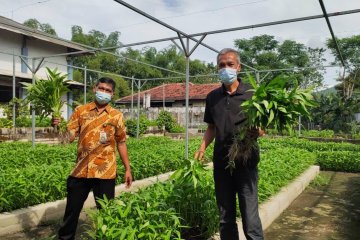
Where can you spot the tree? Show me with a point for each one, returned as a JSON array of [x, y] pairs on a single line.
[[43, 27], [350, 51], [99, 61], [265, 53], [334, 112]]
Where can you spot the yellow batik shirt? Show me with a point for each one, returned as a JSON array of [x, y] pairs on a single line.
[[98, 134]]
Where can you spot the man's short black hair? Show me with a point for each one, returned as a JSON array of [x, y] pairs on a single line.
[[108, 81]]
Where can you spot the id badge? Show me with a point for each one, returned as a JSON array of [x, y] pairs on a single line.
[[103, 137]]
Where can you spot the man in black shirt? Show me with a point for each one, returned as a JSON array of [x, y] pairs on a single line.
[[224, 117]]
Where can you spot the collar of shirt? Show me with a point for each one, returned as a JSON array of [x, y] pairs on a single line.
[[93, 106], [239, 91]]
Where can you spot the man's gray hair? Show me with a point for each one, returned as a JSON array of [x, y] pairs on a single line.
[[228, 50]]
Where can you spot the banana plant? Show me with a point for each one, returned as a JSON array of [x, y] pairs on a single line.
[[45, 95]]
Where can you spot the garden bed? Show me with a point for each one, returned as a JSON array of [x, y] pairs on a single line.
[[42, 172], [338, 140]]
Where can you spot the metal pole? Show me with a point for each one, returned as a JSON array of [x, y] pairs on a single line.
[[257, 77], [14, 92], [332, 32], [162, 23], [334, 14], [187, 101], [163, 89], [132, 97], [85, 81], [32, 108], [138, 111]]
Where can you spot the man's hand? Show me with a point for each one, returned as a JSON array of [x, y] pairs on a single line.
[[199, 155], [128, 178], [255, 133], [261, 132], [55, 121]]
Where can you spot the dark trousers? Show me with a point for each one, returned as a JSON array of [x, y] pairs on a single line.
[[77, 192], [242, 182]]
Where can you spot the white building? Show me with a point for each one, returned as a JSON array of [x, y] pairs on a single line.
[[18, 39]]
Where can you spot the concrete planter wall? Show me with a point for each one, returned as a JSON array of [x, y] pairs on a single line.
[[25, 130]]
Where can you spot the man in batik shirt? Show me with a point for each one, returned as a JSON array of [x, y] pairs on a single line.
[[100, 130]]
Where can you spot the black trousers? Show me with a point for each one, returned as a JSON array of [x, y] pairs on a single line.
[[243, 182], [77, 192]]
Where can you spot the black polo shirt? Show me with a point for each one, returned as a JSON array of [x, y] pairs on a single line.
[[224, 111]]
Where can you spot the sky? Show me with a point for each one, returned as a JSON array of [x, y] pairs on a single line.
[[190, 17]]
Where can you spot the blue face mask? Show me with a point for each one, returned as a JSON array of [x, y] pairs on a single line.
[[227, 75], [102, 98]]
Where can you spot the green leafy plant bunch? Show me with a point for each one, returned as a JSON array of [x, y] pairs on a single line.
[[46, 94], [182, 208], [271, 104]]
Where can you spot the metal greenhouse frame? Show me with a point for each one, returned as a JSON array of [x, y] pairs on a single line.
[[184, 46]]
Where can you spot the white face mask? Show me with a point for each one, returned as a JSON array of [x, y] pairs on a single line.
[[102, 98], [227, 75]]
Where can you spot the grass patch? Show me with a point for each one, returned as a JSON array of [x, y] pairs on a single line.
[[320, 180]]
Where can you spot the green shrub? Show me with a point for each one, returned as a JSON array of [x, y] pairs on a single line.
[[356, 136], [181, 208], [25, 122], [131, 126], [320, 180], [32, 176], [165, 119], [317, 133], [137, 216], [329, 155], [190, 193], [344, 161], [176, 128], [312, 146], [5, 123]]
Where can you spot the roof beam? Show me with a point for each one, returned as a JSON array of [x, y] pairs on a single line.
[[291, 20], [179, 32], [332, 32]]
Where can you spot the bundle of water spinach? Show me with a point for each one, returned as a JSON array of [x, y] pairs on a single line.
[[273, 104]]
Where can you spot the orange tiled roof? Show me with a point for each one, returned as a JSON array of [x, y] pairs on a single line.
[[174, 92]]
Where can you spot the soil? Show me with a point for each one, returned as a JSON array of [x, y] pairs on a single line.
[[329, 211], [49, 232]]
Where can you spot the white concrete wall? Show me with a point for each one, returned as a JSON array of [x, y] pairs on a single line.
[[11, 42], [41, 48], [193, 103], [196, 114]]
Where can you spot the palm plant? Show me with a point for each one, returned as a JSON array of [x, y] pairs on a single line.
[[45, 95]]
